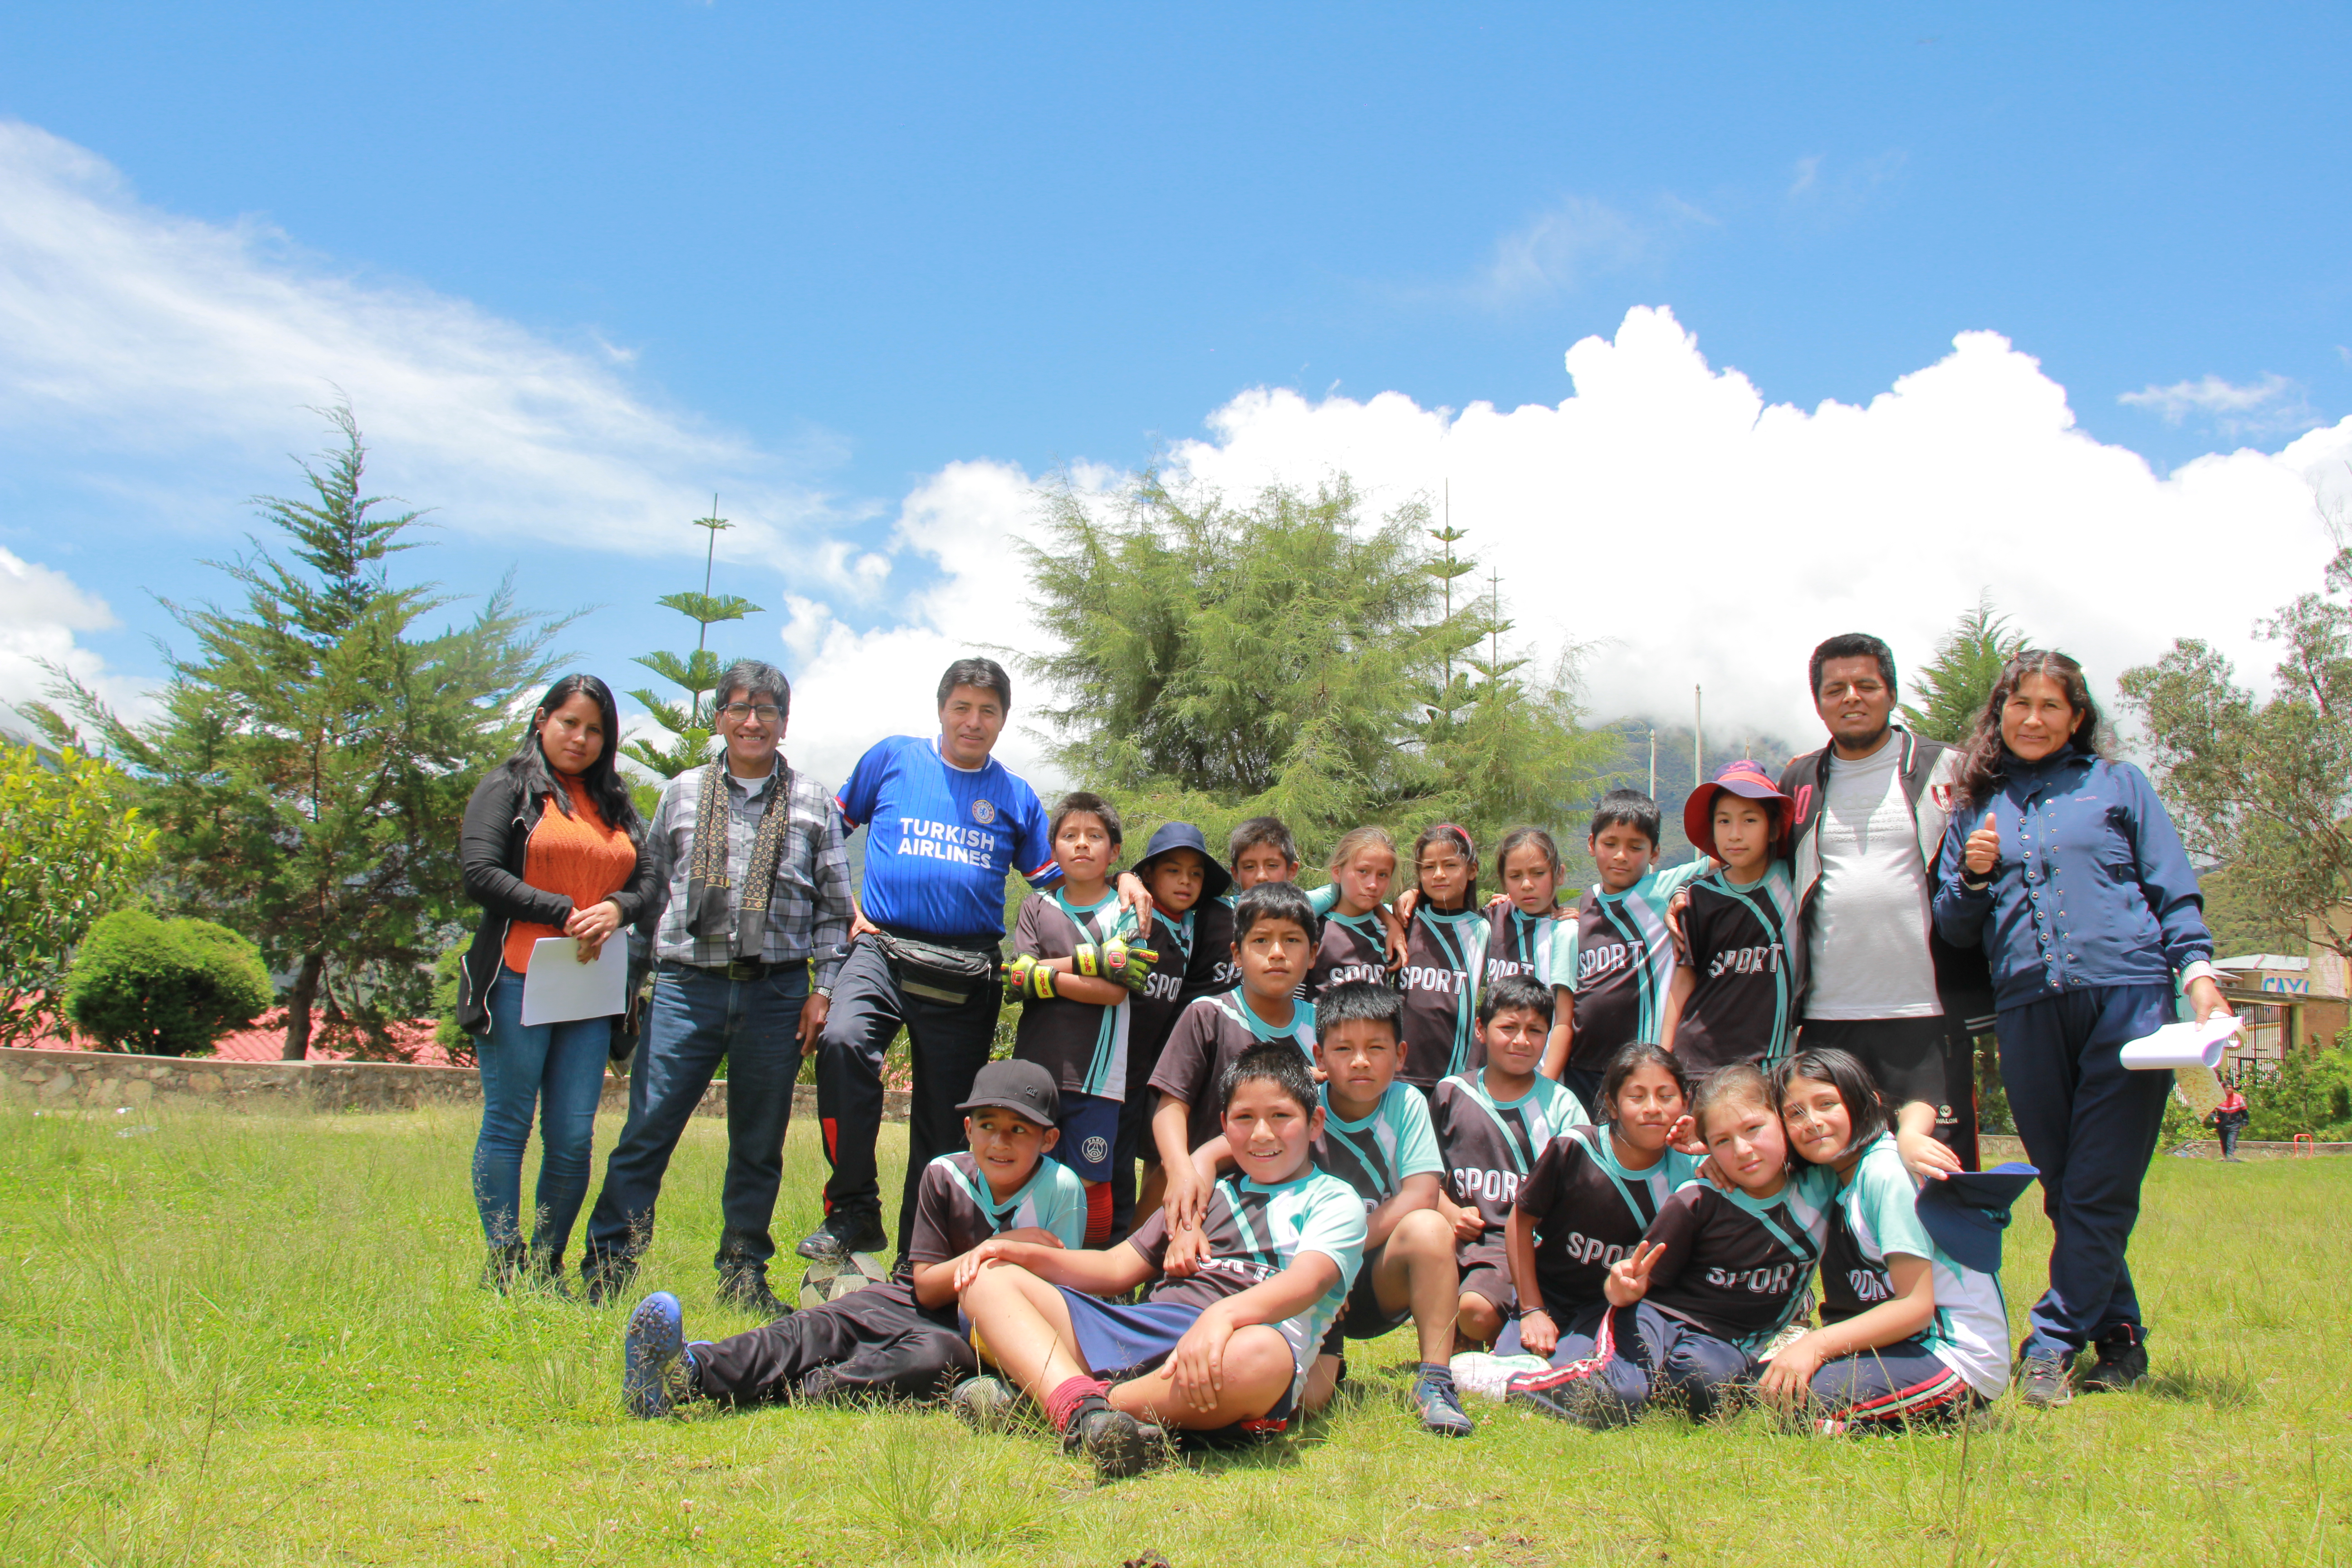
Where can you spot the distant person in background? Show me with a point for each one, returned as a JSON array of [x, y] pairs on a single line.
[[1869, 816], [2065, 868], [755, 866], [2230, 1118], [549, 848]]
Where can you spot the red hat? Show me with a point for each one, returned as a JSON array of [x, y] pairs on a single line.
[[1743, 778]]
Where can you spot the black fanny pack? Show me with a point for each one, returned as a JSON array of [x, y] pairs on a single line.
[[950, 976]]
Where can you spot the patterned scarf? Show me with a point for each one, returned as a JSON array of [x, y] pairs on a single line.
[[707, 882]]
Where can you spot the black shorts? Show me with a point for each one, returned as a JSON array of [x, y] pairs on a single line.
[[1363, 1318], [1905, 1055]]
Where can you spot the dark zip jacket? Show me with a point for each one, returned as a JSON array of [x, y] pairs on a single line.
[[1928, 769], [2093, 887], [490, 848]]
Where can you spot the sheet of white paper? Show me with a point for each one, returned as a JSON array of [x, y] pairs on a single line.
[[2183, 1045], [558, 988]]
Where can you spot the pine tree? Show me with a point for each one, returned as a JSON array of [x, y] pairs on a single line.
[[313, 756], [1956, 684], [697, 674]]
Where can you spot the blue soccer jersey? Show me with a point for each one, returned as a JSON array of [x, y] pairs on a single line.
[[939, 839]]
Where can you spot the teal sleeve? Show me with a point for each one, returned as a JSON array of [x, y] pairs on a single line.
[[1563, 953], [1324, 900], [1335, 1227], [1568, 1110], [1066, 1214], [1672, 881], [1883, 1195], [1417, 1134]]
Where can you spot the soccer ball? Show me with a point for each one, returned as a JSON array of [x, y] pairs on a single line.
[[830, 1279]]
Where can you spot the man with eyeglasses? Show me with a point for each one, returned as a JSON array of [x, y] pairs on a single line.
[[946, 824], [756, 865]]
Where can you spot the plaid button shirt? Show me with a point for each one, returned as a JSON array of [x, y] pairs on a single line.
[[808, 912]]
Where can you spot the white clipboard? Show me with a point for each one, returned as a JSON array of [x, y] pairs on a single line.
[[558, 988]]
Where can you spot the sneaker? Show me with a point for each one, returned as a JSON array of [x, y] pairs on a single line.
[[502, 1266], [656, 1368], [747, 1290], [1489, 1377], [843, 1234], [1112, 1438], [605, 1282], [2043, 1382], [2123, 1365], [1440, 1408], [985, 1404], [1587, 1402]]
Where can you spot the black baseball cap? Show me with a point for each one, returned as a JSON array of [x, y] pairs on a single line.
[[1173, 835], [1966, 1212], [1021, 1086]]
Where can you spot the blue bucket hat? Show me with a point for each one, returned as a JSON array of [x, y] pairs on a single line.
[[1966, 1212], [1173, 835]]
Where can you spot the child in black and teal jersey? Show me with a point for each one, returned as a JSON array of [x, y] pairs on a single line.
[[1735, 997], [1444, 958]]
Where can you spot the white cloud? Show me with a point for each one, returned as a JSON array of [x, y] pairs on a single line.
[[41, 611], [1706, 536], [150, 341], [2272, 406]]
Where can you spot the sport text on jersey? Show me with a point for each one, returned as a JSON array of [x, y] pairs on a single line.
[[1158, 987], [1760, 960], [1774, 1281], [1494, 1186], [1593, 962], [1418, 977], [1341, 973], [927, 839], [1590, 1249], [1870, 1285]]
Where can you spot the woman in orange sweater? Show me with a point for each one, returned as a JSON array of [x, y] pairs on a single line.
[[550, 849]]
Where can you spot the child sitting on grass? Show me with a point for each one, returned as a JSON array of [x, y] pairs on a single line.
[[1378, 1139], [1612, 961], [1275, 932], [1444, 955], [1592, 1196], [897, 1339], [1718, 1275], [1909, 1332], [1073, 971], [1223, 1340], [1492, 1125], [1735, 997]]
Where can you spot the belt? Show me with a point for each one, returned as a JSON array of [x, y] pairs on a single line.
[[741, 968]]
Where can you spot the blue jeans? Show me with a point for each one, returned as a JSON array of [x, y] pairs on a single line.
[[557, 1069], [698, 1016]]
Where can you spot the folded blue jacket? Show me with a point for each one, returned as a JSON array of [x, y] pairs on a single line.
[[2093, 887]]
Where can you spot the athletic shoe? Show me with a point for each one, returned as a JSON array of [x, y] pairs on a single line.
[[606, 1283], [1112, 1438], [843, 1234], [2043, 1382], [2123, 1365], [656, 1367], [1588, 1402], [746, 1291], [985, 1404], [1489, 1377], [1440, 1409], [503, 1266]]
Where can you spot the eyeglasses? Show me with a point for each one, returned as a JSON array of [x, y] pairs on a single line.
[[766, 712]]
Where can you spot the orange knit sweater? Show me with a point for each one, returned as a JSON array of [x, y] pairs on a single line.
[[576, 856]]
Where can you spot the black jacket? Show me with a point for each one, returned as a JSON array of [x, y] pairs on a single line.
[[490, 847]]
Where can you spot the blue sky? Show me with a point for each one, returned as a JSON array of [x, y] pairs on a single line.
[[829, 255]]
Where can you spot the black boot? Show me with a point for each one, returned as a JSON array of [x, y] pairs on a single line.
[[844, 1233], [2123, 1360]]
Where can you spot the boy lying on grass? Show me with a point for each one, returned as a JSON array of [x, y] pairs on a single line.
[[1222, 1343], [898, 1339]]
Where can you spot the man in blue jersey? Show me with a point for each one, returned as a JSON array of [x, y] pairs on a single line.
[[944, 824]]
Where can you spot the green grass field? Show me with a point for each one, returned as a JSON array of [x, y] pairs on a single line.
[[253, 1341]]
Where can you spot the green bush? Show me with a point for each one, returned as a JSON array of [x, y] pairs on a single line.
[[165, 988], [2307, 1092]]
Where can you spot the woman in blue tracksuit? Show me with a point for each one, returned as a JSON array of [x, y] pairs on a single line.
[[2064, 866]]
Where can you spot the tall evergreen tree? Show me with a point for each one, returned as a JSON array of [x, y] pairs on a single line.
[[1289, 656], [697, 674], [1954, 685], [314, 754]]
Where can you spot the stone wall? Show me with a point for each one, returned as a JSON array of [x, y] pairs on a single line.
[[106, 1081]]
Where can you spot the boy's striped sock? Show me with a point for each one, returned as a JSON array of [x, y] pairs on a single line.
[[1064, 1402]]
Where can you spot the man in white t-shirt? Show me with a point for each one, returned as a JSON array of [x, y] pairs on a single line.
[[1869, 817]]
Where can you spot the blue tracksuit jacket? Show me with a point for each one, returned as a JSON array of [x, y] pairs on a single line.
[[2093, 888]]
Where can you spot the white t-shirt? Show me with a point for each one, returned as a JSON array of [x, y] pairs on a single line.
[[1868, 955]]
